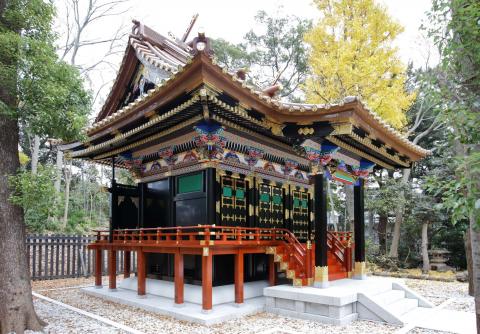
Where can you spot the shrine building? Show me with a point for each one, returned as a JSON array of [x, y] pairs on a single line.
[[230, 180]]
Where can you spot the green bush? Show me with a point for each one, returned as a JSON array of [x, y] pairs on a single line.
[[36, 195]]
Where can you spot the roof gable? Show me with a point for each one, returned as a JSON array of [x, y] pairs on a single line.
[[149, 59], [157, 72]]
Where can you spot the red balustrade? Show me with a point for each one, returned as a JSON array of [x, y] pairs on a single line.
[[300, 257], [340, 244]]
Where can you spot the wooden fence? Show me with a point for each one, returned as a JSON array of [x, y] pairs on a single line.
[[66, 256]]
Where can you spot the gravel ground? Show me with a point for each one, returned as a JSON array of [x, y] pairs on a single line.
[[453, 294], [149, 322], [425, 331], [60, 320], [55, 284]]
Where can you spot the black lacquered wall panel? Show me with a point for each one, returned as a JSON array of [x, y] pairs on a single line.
[[233, 201]]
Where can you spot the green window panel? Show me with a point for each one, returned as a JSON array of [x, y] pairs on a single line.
[[190, 183], [240, 193], [277, 199], [264, 197], [296, 202], [227, 192], [304, 204]]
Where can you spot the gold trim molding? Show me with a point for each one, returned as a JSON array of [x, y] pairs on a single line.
[[360, 269], [321, 274]]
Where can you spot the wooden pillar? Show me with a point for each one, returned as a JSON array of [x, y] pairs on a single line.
[[126, 264], [239, 277], [359, 230], [272, 272], [141, 288], [112, 269], [179, 281], [98, 268], [321, 248], [206, 280]]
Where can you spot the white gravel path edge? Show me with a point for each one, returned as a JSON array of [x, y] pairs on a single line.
[[88, 314]]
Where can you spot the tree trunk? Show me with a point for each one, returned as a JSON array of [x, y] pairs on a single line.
[[58, 172], [16, 307], [68, 179], [426, 260], [35, 154], [382, 233], [333, 219], [370, 225], [475, 239], [468, 254], [473, 174], [399, 211]]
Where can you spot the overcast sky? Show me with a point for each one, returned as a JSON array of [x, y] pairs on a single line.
[[230, 20]]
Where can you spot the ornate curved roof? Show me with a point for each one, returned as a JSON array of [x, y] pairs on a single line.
[[184, 76]]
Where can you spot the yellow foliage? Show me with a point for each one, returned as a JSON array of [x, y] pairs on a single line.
[[24, 159], [352, 55]]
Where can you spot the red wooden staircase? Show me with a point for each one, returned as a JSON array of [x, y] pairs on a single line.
[[297, 259], [339, 254], [336, 269]]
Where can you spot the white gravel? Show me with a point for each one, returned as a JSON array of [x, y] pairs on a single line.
[[452, 295], [60, 320], [149, 322]]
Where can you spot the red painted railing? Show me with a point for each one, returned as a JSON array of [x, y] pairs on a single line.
[[201, 235], [300, 256], [340, 244]]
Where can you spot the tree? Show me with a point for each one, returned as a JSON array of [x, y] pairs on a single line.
[[279, 54], [36, 195], [276, 54], [424, 122], [352, 54], [80, 18], [30, 77], [232, 56], [456, 31], [382, 199]]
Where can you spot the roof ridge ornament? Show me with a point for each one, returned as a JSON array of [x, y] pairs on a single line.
[[201, 43], [271, 91]]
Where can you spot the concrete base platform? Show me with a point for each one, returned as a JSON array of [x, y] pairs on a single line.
[[376, 298], [193, 293], [187, 311]]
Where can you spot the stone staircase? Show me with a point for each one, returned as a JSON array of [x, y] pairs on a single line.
[[393, 304], [345, 300]]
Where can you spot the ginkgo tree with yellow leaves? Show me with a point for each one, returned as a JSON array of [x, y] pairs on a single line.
[[352, 54]]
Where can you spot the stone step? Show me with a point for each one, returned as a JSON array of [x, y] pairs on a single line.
[[389, 297], [403, 306]]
